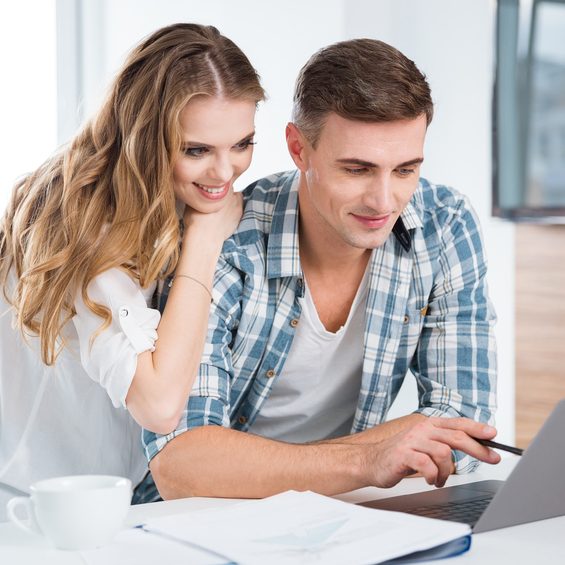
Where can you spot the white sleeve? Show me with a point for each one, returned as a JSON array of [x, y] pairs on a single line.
[[111, 358]]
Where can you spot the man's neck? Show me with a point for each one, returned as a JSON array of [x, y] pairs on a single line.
[[332, 268]]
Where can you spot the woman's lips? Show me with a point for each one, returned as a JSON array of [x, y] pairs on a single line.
[[212, 192], [373, 222]]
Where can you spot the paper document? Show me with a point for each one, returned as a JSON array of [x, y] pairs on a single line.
[[304, 527], [136, 547]]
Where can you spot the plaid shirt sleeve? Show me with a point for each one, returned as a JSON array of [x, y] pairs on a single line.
[[210, 396], [455, 361]]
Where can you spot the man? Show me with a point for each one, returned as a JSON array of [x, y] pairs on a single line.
[[342, 276]]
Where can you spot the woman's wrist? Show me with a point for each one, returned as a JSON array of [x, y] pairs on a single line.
[[193, 280], [199, 239]]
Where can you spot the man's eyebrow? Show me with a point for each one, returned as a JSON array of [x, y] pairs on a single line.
[[200, 144], [369, 164], [360, 162], [417, 161]]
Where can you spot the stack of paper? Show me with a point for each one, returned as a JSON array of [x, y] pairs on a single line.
[[292, 527]]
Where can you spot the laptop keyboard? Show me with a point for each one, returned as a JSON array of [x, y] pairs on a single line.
[[467, 512]]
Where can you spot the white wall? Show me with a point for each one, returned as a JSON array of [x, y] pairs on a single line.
[[28, 93], [451, 41]]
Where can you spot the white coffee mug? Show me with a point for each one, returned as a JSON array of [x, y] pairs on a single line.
[[78, 512]]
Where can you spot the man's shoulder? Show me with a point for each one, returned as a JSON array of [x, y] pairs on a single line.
[[261, 200], [439, 204], [263, 189], [435, 197]]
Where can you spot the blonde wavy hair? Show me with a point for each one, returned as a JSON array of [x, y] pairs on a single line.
[[106, 200]]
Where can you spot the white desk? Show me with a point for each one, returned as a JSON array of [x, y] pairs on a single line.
[[539, 542]]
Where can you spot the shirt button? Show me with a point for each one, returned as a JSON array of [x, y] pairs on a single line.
[[270, 373], [242, 419], [123, 312], [406, 319], [294, 323]]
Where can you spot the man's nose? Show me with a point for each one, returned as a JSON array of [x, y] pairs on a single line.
[[379, 195]]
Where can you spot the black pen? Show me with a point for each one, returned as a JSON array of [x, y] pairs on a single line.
[[495, 445]]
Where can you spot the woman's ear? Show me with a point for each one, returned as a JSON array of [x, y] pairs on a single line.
[[297, 146]]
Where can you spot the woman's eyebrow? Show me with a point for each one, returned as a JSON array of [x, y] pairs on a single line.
[[208, 146], [248, 136]]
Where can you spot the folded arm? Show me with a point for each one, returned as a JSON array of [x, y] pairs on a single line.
[[214, 461], [164, 377]]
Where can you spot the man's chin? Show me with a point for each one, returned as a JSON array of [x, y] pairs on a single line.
[[368, 241]]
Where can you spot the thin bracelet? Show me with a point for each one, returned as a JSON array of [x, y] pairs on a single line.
[[196, 281]]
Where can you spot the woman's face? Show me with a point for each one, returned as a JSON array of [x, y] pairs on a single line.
[[217, 146]]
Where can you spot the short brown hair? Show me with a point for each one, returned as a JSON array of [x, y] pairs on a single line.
[[359, 79]]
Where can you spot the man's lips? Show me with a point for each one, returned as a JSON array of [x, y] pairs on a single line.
[[373, 222]]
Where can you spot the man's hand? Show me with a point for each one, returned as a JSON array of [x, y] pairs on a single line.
[[425, 448]]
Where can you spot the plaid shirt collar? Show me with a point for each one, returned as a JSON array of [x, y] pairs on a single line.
[[283, 258]]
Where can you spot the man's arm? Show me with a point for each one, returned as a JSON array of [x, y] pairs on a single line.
[[455, 362], [218, 462]]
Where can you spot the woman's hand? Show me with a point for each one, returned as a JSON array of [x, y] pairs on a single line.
[[216, 226]]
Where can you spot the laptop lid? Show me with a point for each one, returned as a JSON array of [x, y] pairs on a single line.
[[533, 491]]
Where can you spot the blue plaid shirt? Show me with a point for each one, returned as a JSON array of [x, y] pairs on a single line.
[[427, 312]]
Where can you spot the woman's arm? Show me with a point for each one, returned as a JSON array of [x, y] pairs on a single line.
[[164, 377]]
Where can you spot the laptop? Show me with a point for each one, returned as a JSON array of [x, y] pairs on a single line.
[[533, 491]]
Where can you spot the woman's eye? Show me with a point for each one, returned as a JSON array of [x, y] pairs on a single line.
[[195, 151], [243, 145]]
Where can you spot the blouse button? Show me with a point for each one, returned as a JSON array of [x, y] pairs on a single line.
[[124, 312], [270, 373]]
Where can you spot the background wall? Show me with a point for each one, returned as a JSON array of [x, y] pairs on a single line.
[[28, 103]]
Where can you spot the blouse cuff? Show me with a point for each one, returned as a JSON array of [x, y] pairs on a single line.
[[139, 324]]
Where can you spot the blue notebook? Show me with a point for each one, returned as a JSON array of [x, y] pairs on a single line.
[[449, 549]]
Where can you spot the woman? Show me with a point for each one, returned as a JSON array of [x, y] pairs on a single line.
[[89, 238]]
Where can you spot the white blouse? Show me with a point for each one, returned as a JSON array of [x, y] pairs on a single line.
[[71, 418]]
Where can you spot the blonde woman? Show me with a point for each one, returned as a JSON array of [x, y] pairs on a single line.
[[88, 240]]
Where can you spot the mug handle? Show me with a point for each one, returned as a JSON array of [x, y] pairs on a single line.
[[30, 527]]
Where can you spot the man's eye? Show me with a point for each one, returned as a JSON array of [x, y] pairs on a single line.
[[405, 172], [195, 151], [356, 171]]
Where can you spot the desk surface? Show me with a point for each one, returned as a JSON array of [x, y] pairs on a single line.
[[539, 542]]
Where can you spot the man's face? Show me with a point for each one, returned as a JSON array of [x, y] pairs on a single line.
[[359, 179]]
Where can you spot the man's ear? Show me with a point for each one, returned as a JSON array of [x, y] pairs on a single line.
[[297, 144]]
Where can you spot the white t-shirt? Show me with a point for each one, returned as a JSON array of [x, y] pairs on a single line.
[[316, 393], [70, 418]]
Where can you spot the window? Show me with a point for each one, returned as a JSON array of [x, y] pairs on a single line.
[[529, 110]]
